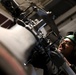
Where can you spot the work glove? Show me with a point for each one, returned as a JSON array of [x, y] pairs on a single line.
[[39, 58]]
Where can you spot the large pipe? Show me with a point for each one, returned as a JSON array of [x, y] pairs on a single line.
[[16, 45]]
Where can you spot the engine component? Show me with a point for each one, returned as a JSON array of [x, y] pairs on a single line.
[[20, 41]]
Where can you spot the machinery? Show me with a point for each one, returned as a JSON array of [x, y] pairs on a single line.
[[26, 37]]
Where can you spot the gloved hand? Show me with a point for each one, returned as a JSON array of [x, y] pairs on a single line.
[[39, 58]]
